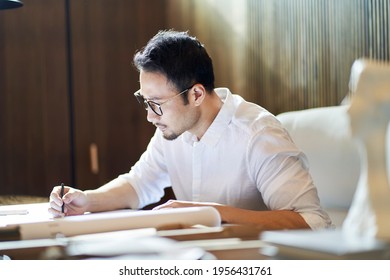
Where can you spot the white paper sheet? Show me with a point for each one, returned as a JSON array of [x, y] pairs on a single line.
[[38, 223]]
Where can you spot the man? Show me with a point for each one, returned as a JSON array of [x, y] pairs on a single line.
[[210, 145]]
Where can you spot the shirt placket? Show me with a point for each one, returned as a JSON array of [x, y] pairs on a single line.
[[196, 170]]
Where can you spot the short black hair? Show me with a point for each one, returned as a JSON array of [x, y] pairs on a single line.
[[178, 56]]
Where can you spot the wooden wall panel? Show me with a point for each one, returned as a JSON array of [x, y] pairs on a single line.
[[58, 96], [34, 111], [314, 44], [106, 114], [282, 54], [66, 82]]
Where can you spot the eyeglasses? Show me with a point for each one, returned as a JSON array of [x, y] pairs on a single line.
[[156, 107]]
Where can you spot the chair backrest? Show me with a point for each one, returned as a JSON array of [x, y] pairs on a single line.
[[324, 136]]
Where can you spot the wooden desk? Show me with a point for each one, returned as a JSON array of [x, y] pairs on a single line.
[[219, 243], [222, 242], [21, 199]]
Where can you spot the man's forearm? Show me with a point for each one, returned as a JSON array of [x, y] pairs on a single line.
[[270, 220], [116, 194]]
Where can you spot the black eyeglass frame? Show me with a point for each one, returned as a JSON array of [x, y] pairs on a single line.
[[156, 107]]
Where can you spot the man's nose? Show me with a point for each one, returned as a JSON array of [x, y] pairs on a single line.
[[151, 116]]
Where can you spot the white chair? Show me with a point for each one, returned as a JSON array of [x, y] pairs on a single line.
[[324, 136]]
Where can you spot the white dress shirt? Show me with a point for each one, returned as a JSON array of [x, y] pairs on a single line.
[[245, 159]]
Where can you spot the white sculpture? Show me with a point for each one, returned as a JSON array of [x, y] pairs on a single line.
[[369, 214]]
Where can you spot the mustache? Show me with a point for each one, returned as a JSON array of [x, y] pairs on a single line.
[[159, 125]]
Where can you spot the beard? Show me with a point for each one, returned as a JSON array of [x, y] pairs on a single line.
[[166, 133], [185, 124], [171, 136]]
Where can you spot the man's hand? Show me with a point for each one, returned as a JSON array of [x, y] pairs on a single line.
[[75, 201], [181, 203]]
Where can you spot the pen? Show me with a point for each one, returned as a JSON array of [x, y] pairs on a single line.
[[62, 194]]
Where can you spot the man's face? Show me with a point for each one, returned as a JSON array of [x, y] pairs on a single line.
[[177, 117]]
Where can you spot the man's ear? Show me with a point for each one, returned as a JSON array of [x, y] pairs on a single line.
[[198, 94]]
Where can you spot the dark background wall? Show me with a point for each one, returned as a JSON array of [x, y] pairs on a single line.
[[67, 113], [66, 84]]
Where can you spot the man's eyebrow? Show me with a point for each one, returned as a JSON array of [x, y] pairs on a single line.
[[153, 98], [143, 95]]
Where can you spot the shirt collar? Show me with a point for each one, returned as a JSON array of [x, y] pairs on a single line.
[[220, 123]]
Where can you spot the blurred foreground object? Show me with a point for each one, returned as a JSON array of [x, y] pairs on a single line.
[[369, 112], [10, 4]]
